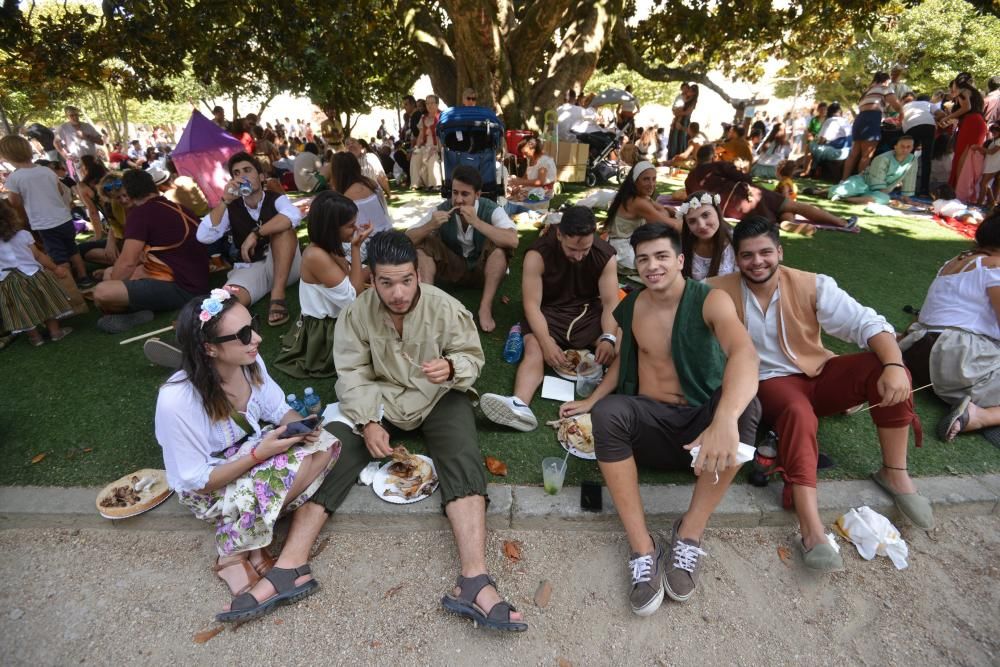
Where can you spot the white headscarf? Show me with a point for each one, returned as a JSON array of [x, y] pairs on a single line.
[[639, 168]]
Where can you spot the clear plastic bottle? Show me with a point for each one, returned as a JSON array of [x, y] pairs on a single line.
[[513, 349], [297, 405], [313, 406]]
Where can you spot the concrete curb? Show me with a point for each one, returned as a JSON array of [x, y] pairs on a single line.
[[521, 507]]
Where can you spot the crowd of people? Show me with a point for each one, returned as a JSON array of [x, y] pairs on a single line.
[[714, 341]]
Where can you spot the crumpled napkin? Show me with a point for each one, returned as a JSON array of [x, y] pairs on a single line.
[[873, 535]]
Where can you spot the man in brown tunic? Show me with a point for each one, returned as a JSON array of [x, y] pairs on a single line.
[[570, 289]]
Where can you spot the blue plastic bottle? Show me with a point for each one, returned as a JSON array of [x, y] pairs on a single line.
[[313, 406], [296, 404], [513, 349]]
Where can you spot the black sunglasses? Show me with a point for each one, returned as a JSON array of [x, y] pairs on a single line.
[[113, 185], [471, 99], [244, 335]]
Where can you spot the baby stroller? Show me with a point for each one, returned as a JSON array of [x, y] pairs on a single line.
[[600, 167], [471, 136]]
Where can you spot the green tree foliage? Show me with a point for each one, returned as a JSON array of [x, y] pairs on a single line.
[[934, 39]]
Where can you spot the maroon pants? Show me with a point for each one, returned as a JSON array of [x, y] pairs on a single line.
[[793, 404]]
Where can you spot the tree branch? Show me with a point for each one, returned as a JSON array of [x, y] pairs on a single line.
[[623, 43], [430, 44], [534, 31]]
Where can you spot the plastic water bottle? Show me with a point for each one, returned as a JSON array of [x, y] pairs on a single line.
[[513, 349], [296, 404], [313, 406]]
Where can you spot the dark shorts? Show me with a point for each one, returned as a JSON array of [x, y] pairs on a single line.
[[572, 327], [867, 126], [655, 433], [60, 242], [156, 295]]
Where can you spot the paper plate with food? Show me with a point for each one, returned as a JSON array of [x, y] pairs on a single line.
[[574, 358], [133, 494], [408, 478], [576, 435]]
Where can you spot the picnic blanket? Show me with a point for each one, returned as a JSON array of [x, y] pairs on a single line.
[[968, 230]]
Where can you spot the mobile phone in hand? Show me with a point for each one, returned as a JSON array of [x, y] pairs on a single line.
[[301, 427]]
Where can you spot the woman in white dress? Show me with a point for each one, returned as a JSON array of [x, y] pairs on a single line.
[[706, 238]]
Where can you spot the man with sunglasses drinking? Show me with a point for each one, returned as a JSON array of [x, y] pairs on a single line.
[[262, 224]]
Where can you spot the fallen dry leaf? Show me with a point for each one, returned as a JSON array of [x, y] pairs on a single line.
[[563, 662], [784, 554], [395, 589], [278, 621], [38, 457], [496, 466], [205, 635], [543, 593], [87, 450], [512, 550]]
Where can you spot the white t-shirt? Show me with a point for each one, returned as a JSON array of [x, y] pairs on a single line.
[[544, 162], [917, 113], [76, 144], [192, 443], [38, 187], [16, 254], [466, 239], [835, 127]]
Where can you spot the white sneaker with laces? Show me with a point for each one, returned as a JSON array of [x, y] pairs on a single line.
[[508, 411]]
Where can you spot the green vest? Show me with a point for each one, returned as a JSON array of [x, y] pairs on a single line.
[[449, 231], [697, 356]]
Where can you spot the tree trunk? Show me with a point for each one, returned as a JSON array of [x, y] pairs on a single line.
[[6, 123], [236, 106]]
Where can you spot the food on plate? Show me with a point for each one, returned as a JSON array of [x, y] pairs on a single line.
[[408, 476], [133, 494], [574, 357], [576, 432]]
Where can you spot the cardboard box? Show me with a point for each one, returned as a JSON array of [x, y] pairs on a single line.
[[568, 152], [572, 173]]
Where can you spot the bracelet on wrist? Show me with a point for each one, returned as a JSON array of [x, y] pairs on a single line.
[[893, 363], [611, 338], [253, 455]]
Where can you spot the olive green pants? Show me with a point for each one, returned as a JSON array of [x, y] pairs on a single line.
[[450, 436]]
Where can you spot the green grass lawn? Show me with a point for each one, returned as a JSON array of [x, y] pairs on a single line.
[[88, 402]]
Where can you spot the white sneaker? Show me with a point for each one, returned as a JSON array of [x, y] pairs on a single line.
[[508, 411]]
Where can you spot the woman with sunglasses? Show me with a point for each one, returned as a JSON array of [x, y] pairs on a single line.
[[113, 202], [230, 470]]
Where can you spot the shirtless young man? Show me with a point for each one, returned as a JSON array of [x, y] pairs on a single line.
[[668, 399]]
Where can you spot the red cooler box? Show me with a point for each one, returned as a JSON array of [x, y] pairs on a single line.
[[515, 137]]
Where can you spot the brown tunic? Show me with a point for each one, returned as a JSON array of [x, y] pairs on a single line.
[[571, 296], [740, 197]]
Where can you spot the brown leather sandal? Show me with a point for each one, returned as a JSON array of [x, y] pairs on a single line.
[[236, 567]]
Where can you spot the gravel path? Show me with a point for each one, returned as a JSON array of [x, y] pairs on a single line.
[[115, 596]]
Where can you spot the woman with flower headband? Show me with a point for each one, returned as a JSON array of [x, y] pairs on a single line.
[[230, 470], [706, 238], [633, 207]]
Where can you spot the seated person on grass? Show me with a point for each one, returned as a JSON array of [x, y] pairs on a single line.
[[956, 348], [736, 147], [886, 172], [633, 206], [742, 197], [406, 356], [161, 265], [114, 204], [570, 287], [696, 139], [228, 470], [263, 231], [685, 376], [786, 311], [466, 241]]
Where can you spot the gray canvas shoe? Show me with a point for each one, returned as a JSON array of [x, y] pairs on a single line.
[[682, 567], [647, 580], [823, 557]]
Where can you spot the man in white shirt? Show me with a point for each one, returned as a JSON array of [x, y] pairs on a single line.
[[466, 241], [919, 122], [262, 226], [74, 139], [568, 115], [833, 143], [786, 311]]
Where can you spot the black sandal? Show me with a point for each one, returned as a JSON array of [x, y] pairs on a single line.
[[280, 308], [245, 607], [465, 605]]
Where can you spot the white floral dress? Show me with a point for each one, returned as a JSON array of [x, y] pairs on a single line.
[[245, 511]]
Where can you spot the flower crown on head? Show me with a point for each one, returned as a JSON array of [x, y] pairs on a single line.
[[696, 202], [212, 306]]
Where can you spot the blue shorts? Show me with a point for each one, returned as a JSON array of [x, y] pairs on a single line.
[[867, 126], [60, 242]]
